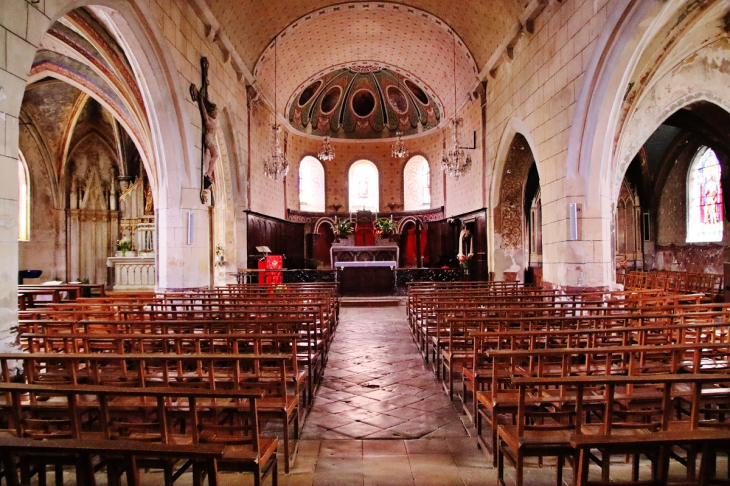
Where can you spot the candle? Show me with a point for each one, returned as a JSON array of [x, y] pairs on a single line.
[[335, 219]]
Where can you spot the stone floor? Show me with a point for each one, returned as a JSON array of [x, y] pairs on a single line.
[[376, 385], [381, 418]]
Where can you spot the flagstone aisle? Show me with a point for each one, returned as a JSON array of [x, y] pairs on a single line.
[[376, 385]]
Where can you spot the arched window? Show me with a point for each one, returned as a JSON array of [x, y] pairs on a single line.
[[364, 186], [417, 184], [704, 198], [311, 185], [23, 199]]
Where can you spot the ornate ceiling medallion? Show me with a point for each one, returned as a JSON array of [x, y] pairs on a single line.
[[363, 102]]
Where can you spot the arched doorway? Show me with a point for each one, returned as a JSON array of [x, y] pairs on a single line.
[[514, 224]]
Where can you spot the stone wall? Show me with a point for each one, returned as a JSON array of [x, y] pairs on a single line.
[[535, 94]]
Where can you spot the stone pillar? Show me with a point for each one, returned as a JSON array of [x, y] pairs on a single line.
[[20, 34]]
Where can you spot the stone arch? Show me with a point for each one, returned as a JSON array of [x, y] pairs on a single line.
[[514, 127], [93, 91], [510, 252], [169, 126], [322, 221], [408, 219]]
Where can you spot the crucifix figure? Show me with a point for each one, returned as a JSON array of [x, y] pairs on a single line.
[[209, 115]]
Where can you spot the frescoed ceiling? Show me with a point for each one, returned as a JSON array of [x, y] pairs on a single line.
[[413, 38]]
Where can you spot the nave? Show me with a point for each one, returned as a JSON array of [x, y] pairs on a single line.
[[381, 413]]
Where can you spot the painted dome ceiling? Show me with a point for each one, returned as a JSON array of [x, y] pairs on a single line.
[[363, 102]]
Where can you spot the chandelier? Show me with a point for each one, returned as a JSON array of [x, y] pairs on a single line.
[[276, 165], [456, 161], [327, 152], [399, 148]]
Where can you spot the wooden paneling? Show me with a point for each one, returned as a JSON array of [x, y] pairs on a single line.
[[282, 237]]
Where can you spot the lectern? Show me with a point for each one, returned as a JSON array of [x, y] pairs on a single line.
[[271, 262]]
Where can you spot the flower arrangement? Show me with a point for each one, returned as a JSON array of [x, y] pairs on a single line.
[[622, 264], [124, 245], [465, 261], [384, 226], [343, 228], [219, 250]]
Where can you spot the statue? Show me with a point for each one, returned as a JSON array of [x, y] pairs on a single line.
[[149, 203], [209, 116]]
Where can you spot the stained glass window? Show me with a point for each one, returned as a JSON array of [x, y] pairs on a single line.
[[311, 185], [704, 194], [23, 199], [363, 180], [417, 184]]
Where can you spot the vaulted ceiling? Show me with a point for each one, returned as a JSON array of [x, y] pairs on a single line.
[[412, 37]]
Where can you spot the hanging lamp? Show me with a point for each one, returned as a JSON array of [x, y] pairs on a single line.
[[276, 166], [456, 161]]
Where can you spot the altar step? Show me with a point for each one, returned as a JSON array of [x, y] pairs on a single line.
[[372, 301]]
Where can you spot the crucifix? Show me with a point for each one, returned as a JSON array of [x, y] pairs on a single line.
[[209, 116]]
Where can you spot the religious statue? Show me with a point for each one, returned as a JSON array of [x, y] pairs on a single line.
[[466, 245], [149, 204], [209, 115]]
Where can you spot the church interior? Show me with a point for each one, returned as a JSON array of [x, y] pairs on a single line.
[[401, 242]]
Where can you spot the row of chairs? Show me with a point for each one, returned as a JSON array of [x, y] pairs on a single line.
[[678, 282], [494, 336], [270, 339]]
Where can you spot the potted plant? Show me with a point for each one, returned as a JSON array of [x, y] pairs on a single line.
[[384, 227], [124, 245], [219, 253], [343, 228]]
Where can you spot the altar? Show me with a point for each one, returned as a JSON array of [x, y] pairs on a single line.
[[367, 278], [376, 253]]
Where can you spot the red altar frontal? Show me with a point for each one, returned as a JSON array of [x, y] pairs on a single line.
[[271, 262]]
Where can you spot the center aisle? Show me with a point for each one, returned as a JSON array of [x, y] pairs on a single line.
[[376, 385], [380, 417]]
